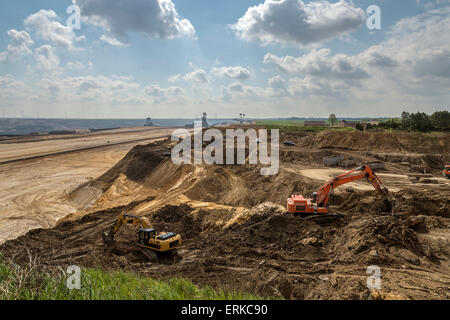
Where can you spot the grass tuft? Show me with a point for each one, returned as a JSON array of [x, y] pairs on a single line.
[[28, 283]]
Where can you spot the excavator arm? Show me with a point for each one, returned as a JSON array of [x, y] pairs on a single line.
[[125, 219], [362, 172]]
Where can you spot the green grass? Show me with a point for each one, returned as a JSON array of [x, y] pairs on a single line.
[[280, 122], [27, 283], [295, 125]]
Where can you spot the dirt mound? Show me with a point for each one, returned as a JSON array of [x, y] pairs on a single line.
[[407, 202], [415, 162], [380, 141], [368, 239], [140, 162], [178, 219], [172, 214]]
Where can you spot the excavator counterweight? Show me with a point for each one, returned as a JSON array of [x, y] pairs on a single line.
[[318, 205], [447, 171]]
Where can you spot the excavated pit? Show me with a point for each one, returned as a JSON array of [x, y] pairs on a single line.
[[237, 235]]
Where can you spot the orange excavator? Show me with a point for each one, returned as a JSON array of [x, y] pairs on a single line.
[[318, 207], [447, 171]]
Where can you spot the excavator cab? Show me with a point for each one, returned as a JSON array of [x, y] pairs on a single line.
[[145, 235]]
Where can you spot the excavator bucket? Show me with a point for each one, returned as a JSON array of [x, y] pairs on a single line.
[[387, 205]]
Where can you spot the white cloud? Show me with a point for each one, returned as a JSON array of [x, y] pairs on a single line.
[[294, 22], [202, 78], [170, 94], [414, 61], [19, 46], [156, 19], [238, 72], [437, 64], [12, 89], [112, 41], [409, 69], [46, 59], [77, 65], [46, 26], [312, 86], [319, 63], [50, 86], [88, 90], [277, 83], [175, 78], [238, 92], [197, 76], [421, 44]]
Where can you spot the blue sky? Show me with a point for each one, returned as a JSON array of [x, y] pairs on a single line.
[[272, 58]]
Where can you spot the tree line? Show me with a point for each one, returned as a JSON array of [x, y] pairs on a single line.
[[420, 121]]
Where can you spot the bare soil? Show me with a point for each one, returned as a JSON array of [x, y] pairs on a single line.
[[238, 236]]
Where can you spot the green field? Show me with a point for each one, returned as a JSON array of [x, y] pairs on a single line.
[[295, 125], [19, 283]]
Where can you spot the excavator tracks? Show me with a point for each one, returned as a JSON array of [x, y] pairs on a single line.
[[150, 254]]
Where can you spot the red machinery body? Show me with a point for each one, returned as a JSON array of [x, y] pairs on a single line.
[[447, 171], [318, 204], [299, 204]]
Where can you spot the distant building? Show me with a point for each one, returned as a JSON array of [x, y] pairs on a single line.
[[372, 122], [348, 124], [148, 122], [241, 118], [316, 124], [205, 123], [204, 120]]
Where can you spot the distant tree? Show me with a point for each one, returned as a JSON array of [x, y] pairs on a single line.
[[420, 121], [406, 120], [390, 124], [332, 119], [359, 127], [441, 120]]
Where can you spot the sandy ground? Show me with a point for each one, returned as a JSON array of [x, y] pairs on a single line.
[[20, 148], [394, 182], [33, 193]]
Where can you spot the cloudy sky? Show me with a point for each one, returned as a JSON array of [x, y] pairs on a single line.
[[266, 58]]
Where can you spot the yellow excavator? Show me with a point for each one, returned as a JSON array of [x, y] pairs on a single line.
[[149, 241]]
